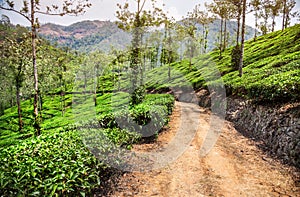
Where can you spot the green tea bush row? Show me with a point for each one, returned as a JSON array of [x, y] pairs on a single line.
[[51, 164]]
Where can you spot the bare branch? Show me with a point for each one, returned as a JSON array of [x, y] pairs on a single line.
[[16, 11], [142, 6]]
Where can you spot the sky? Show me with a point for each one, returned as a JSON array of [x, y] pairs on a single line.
[[106, 9]]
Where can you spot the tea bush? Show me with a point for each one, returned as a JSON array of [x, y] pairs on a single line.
[[51, 164]]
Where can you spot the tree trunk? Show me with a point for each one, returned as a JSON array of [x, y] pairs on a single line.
[[62, 103], [256, 25], [41, 107], [238, 25], [221, 38], [287, 18], [205, 39], [19, 105], [273, 23], [283, 14], [243, 39], [35, 71], [225, 36], [96, 84]]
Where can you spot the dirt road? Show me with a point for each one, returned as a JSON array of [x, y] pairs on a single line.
[[234, 167]]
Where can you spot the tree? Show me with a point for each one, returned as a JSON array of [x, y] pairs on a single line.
[[255, 6], [154, 40], [221, 9], [205, 20], [169, 46], [189, 29], [276, 6], [15, 55], [29, 10], [243, 38], [180, 36], [199, 17], [137, 22], [287, 8], [265, 13]]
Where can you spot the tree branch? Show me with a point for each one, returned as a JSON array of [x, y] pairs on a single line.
[[58, 14], [50, 14], [18, 12], [142, 6]]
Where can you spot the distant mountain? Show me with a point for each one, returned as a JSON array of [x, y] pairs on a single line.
[[87, 36]]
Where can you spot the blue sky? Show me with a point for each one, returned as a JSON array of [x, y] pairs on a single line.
[[105, 10]]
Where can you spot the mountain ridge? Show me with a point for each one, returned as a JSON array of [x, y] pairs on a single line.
[[88, 36]]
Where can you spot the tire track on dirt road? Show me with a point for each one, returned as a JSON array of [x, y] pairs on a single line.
[[233, 167]]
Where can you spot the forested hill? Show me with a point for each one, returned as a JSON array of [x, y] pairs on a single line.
[[88, 36]]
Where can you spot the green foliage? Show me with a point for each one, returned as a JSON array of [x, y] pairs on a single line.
[[235, 57], [137, 96], [59, 161], [51, 164], [154, 111], [271, 70]]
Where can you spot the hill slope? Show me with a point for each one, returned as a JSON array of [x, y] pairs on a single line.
[[271, 69], [87, 36]]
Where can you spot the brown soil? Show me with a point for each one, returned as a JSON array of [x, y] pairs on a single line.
[[234, 167]]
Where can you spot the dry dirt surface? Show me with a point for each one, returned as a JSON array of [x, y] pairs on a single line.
[[234, 167]]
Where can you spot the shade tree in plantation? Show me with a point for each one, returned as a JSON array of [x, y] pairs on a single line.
[[243, 37], [169, 50], [15, 51], [255, 6], [180, 37], [154, 41], [237, 53], [136, 22], [276, 6], [265, 14], [58, 73], [288, 13], [189, 27], [221, 10], [266, 11], [30, 10], [102, 64], [204, 20]]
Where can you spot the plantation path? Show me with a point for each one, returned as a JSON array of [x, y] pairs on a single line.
[[234, 167]]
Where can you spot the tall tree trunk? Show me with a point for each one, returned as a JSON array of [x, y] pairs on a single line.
[[61, 97], [225, 36], [273, 23], [12, 101], [243, 39], [221, 38], [19, 105], [170, 58], [95, 84], [41, 106], [284, 14], [135, 54], [256, 25], [35, 71], [287, 18], [191, 54], [205, 39], [238, 25]]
